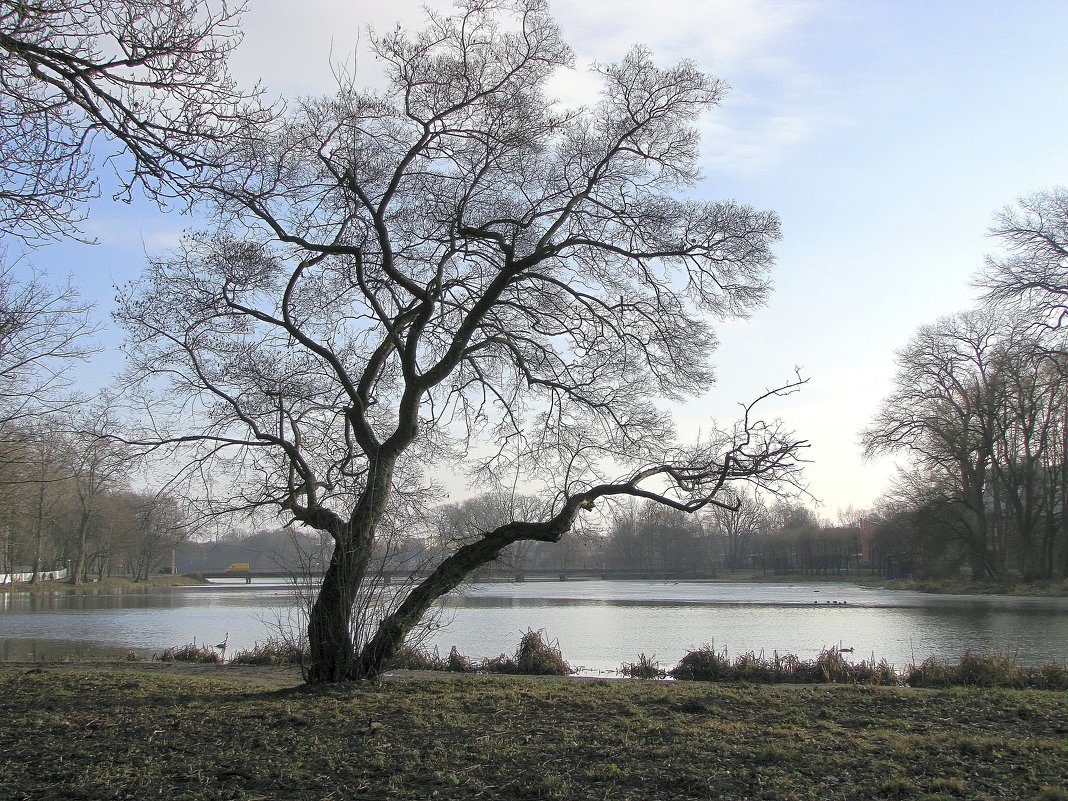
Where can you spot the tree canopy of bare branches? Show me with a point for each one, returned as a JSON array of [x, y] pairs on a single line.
[[458, 270], [147, 75], [979, 403], [1033, 271], [43, 333]]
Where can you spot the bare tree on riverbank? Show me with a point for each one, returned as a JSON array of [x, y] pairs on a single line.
[[979, 405], [459, 269]]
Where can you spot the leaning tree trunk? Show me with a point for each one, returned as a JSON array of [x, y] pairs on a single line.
[[331, 645], [448, 575], [332, 656], [394, 628]]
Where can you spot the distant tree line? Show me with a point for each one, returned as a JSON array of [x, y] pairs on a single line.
[[62, 505], [980, 407], [66, 496]]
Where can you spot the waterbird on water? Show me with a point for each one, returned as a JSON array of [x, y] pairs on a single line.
[[222, 646]]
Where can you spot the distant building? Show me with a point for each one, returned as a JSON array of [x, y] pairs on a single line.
[[867, 541]]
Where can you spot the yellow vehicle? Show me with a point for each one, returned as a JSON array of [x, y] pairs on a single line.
[[238, 567]]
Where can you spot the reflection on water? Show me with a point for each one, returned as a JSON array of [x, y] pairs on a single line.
[[603, 624], [599, 624]]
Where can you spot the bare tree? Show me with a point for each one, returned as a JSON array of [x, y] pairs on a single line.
[[43, 333], [101, 464], [980, 405], [160, 524], [650, 536], [739, 524], [468, 520], [456, 270], [147, 75], [45, 486], [943, 412], [1033, 271]]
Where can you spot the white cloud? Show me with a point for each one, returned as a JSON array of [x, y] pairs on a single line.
[[719, 34], [749, 142]]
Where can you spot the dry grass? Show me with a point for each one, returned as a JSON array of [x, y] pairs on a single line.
[[143, 731], [535, 656], [992, 670], [831, 667]]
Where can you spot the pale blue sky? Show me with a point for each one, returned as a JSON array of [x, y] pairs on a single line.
[[884, 134]]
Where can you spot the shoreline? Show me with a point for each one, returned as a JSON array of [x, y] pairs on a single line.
[[108, 585], [1054, 588]]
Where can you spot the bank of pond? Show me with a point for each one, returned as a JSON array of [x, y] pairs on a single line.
[[537, 655]]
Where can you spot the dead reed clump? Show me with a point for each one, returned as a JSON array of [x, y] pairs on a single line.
[[830, 667], [273, 652], [757, 669], [881, 673], [991, 670], [498, 664], [786, 667], [535, 656], [645, 668], [458, 663], [412, 658], [931, 672], [986, 670], [538, 657], [1049, 677], [191, 652], [704, 664]]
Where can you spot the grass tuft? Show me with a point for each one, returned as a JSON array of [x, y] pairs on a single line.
[[830, 667], [458, 663], [538, 657], [535, 656], [703, 664], [410, 658]]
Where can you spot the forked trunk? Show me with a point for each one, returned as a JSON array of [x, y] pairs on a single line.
[[394, 629], [330, 636]]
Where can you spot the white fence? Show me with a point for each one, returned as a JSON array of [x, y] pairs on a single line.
[[42, 575]]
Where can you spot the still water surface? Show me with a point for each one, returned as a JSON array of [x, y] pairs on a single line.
[[599, 624]]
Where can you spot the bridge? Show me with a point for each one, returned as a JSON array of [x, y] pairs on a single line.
[[583, 573]]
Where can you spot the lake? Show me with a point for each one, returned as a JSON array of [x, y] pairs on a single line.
[[599, 624]]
